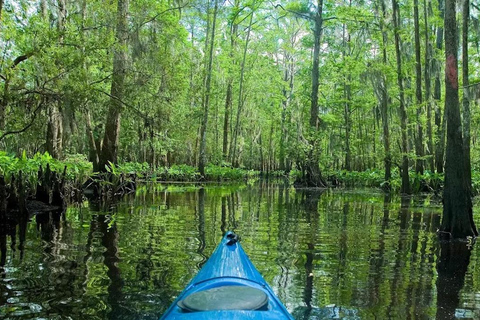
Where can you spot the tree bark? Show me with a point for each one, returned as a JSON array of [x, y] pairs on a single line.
[[315, 66], [383, 97], [226, 119], [437, 96], [465, 98], [419, 150], [313, 176], [4, 103], [428, 87], [93, 151], [1, 8], [241, 100], [44, 9], [405, 188], [54, 134], [61, 17], [229, 94], [54, 139], [288, 77], [112, 127], [347, 93], [206, 101], [457, 218]]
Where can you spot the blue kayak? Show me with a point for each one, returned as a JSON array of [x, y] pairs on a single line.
[[227, 287]]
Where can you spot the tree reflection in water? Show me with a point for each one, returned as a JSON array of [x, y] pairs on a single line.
[[311, 199], [452, 266], [336, 254]]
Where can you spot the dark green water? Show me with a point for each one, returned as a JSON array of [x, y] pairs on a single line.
[[336, 254]]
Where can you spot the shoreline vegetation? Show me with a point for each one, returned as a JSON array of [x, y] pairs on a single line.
[[76, 178]]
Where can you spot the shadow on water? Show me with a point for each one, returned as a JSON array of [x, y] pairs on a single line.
[[452, 266]]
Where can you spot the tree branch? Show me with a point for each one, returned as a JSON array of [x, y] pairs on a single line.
[[100, 80], [17, 61], [145, 117], [20, 59], [302, 15], [159, 14], [24, 128], [471, 85]]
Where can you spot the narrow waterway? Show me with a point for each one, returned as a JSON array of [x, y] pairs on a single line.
[[327, 254]]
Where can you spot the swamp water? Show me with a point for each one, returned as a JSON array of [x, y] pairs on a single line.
[[328, 255]]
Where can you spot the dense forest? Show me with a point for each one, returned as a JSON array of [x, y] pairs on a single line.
[[264, 85]]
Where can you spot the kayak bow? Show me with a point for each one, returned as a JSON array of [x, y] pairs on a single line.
[[227, 287]]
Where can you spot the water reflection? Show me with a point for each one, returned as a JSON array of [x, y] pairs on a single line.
[[200, 217], [333, 254], [451, 267]]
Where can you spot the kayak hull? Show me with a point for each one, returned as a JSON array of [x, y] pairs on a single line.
[[228, 266]]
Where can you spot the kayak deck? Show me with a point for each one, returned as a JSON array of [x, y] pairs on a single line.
[[227, 287]]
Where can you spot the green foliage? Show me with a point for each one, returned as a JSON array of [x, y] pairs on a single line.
[[71, 67], [428, 182], [368, 178], [218, 173], [212, 173], [182, 172], [298, 7], [128, 168], [78, 169], [476, 182]]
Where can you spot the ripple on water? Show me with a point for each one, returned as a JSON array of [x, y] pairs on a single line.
[[20, 309], [341, 255]]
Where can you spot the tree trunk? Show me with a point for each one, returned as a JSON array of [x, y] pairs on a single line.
[[466, 99], [348, 125], [4, 103], [241, 100], [428, 87], [313, 174], [419, 150], [262, 157], [1, 8], [315, 66], [282, 119], [437, 96], [206, 100], [288, 77], [347, 93], [44, 9], [54, 132], [457, 218], [61, 18], [229, 95], [112, 126], [226, 119], [384, 103], [405, 188], [93, 151]]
